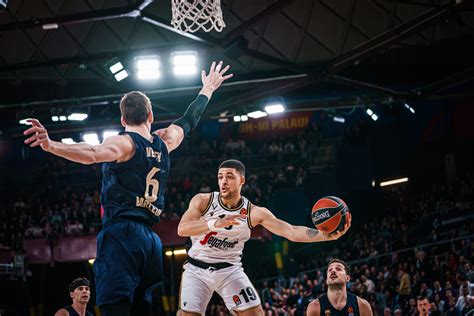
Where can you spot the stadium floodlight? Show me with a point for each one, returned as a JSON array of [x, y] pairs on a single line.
[[62, 118], [372, 114], [148, 67], [117, 69], [147, 62], [184, 63], [244, 118], [274, 108], [409, 108], [256, 114], [108, 133], [68, 141], [148, 74], [55, 118], [121, 75], [223, 117], [50, 26], [176, 252], [91, 138], [25, 121], [77, 117], [339, 119], [394, 181], [237, 118]]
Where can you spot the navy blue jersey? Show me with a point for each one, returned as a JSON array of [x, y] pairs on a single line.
[[351, 308], [135, 188], [72, 311]]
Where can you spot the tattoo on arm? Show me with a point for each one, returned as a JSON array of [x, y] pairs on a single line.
[[312, 233]]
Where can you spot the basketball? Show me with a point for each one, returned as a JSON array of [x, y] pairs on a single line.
[[329, 214]]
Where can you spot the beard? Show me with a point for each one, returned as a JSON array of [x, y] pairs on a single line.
[[338, 285]]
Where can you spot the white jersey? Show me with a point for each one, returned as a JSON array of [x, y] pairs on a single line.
[[225, 245]]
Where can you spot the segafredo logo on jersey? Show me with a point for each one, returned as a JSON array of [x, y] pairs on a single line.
[[323, 215], [218, 243]]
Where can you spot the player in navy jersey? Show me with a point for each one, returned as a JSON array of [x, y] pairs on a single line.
[[134, 173], [338, 301], [80, 292]]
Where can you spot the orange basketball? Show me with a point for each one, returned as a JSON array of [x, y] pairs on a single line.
[[329, 214]]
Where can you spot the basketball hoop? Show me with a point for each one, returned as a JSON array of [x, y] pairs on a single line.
[[192, 15]]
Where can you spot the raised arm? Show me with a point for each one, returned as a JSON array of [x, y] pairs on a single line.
[[115, 148], [174, 134], [191, 223], [262, 216]]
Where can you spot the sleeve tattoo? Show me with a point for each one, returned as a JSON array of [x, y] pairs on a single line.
[[312, 233]]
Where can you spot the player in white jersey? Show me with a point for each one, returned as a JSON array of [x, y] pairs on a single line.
[[219, 224]]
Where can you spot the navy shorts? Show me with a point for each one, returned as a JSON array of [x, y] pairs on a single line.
[[129, 262]]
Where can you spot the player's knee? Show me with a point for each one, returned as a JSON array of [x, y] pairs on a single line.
[[256, 311]]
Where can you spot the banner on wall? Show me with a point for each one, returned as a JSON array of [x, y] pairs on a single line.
[[272, 125]]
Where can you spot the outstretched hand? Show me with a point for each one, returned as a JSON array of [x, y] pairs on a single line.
[[40, 136], [338, 234], [213, 80]]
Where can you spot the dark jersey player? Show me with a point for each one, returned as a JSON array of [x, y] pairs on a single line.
[[80, 293], [338, 301], [135, 170]]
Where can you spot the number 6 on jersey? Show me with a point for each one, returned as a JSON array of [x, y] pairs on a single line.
[[152, 185]]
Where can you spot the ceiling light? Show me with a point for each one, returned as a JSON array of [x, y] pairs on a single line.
[[256, 114], [25, 121], [148, 67], [394, 181], [121, 75], [184, 63], [108, 133], [274, 108], [409, 108], [91, 138], [68, 141], [148, 74], [116, 67], [176, 252], [77, 117]]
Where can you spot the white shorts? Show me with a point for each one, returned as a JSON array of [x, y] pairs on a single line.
[[232, 284]]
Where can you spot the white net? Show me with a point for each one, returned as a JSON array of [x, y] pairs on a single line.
[[192, 15]]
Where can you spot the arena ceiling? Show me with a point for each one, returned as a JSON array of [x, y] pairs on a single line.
[[318, 53]]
